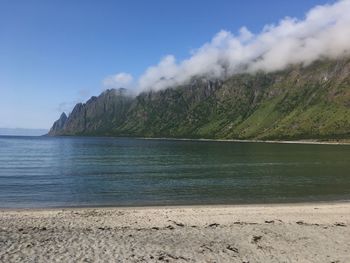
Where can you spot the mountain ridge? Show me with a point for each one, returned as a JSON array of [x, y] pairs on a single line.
[[311, 102]]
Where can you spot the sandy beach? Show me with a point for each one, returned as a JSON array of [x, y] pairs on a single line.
[[252, 233], [310, 141]]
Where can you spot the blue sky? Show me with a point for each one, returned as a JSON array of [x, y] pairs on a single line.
[[56, 53]]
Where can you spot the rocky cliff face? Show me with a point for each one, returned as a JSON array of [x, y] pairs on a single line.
[[97, 116], [297, 103], [58, 125]]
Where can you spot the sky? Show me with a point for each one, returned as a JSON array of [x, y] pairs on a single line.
[[54, 54]]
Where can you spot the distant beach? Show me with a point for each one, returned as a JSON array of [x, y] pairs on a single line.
[[246, 233], [335, 142]]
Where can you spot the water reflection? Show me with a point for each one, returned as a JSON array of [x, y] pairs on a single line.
[[46, 172]]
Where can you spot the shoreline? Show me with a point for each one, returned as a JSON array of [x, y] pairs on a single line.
[[310, 142], [307, 232], [176, 206], [315, 142]]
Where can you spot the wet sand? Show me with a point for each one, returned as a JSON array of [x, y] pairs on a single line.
[[314, 232]]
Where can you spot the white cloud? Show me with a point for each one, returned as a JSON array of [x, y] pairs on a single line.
[[323, 33], [120, 80]]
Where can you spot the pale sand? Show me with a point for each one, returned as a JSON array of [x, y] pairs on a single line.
[[311, 141], [274, 233]]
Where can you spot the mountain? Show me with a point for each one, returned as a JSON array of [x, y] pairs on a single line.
[[311, 102], [59, 124]]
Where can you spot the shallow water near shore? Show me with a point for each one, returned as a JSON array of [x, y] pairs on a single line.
[[37, 172]]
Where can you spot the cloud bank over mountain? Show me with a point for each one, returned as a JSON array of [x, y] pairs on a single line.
[[118, 80], [324, 32]]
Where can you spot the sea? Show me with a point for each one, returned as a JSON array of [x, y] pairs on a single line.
[[49, 172]]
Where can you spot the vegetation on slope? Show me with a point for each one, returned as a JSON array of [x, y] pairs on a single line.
[[311, 102]]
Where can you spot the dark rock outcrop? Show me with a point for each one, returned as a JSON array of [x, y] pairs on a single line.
[[58, 125], [97, 116]]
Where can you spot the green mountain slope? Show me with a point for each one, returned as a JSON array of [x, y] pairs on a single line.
[[310, 102]]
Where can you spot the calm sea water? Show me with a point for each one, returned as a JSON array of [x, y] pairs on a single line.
[[61, 172]]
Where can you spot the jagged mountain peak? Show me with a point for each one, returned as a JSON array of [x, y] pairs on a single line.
[[63, 116]]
